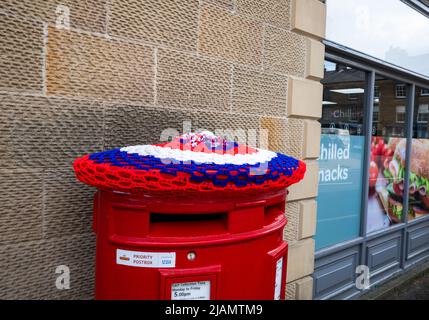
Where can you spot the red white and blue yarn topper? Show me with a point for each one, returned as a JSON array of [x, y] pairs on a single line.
[[191, 162]]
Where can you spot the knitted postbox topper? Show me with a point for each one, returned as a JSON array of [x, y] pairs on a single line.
[[191, 162]]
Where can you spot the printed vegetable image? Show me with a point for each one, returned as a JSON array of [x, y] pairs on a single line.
[[393, 170], [373, 174]]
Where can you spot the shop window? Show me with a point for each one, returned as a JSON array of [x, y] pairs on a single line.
[[400, 114], [400, 91], [341, 155], [387, 159], [419, 166]]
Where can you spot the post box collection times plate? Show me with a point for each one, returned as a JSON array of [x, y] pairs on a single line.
[[196, 290]]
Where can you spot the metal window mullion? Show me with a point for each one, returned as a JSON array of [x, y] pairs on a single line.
[[411, 88], [409, 136], [369, 108]]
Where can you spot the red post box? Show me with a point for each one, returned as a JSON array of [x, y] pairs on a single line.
[[175, 248], [208, 240]]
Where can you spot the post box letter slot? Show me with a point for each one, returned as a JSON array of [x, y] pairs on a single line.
[[187, 225]]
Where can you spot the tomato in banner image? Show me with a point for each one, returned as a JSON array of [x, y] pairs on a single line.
[[380, 147], [388, 152], [373, 174]]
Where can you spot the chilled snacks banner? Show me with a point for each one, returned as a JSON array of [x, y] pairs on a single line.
[[340, 189]]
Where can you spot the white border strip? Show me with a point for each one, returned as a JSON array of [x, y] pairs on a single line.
[[261, 156]]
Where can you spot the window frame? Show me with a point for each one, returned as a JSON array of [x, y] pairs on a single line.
[[421, 6], [426, 113], [377, 90], [400, 85], [402, 111], [378, 114]]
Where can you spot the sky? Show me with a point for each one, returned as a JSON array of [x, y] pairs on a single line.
[[386, 29]]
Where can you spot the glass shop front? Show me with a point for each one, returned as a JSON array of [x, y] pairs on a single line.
[[373, 202]]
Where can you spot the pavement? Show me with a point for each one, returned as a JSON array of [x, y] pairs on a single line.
[[415, 289], [411, 285]]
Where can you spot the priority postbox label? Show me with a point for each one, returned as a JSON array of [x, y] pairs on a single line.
[[196, 290], [146, 259]]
